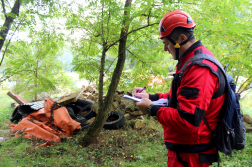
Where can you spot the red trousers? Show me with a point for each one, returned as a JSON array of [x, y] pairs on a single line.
[[176, 159]]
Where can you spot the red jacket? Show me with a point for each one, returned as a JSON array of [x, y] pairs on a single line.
[[184, 129]]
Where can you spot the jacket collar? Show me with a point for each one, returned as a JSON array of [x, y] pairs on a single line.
[[185, 55]]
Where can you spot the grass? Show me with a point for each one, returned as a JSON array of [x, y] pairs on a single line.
[[125, 147], [238, 157], [5, 108]]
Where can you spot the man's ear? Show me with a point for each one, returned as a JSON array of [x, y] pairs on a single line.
[[183, 37]]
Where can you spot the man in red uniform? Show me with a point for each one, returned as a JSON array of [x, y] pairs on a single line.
[[198, 95]]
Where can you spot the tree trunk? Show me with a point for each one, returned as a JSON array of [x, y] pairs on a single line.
[[104, 109], [36, 81], [100, 100], [7, 24]]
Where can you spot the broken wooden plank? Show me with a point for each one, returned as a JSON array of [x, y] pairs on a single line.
[[70, 98], [17, 98]]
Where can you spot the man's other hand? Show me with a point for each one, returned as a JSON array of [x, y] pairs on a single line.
[[144, 104]]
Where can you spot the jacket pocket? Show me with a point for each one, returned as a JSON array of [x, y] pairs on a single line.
[[189, 92]]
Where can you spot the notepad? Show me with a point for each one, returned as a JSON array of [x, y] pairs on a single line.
[[160, 102], [132, 98]]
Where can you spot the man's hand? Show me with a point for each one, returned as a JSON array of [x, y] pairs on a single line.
[[141, 95], [144, 104]]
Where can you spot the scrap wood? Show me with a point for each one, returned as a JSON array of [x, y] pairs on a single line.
[[72, 97], [17, 98]]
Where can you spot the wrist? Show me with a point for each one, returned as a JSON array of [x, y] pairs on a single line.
[[153, 109], [149, 109]]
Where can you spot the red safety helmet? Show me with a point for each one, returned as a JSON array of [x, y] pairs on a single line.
[[173, 19]]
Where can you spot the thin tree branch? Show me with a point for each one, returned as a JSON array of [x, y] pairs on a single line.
[[110, 65], [243, 84], [107, 26], [130, 33], [8, 45], [148, 18], [158, 5], [129, 52], [247, 88], [8, 22], [150, 15], [96, 31], [240, 88], [135, 56], [187, 3], [112, 61], [5, 78], [236, 79], [4, 11], [76, 28], [132, 53], [8, 3], [102, 22]]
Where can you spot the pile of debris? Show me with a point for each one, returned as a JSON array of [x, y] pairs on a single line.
[[132, 115], [120, 105]]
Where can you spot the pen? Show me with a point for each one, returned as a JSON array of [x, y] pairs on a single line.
[[141, 90]]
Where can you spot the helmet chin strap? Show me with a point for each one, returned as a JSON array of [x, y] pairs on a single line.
[[178, 45]]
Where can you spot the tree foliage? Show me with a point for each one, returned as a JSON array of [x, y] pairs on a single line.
[[9, 17], [223, 27], [19, 15], [35, 65], [102, 24], [32, 58]]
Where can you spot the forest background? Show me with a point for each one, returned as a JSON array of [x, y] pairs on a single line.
[[113, 44]]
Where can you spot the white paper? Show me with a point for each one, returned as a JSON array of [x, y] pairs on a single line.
[[132, 98], [160, 102]]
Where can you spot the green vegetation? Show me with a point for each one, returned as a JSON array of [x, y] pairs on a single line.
[[125, 147], [5, 107]]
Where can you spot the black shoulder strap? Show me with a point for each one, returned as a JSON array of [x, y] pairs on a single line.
[[201, 57]]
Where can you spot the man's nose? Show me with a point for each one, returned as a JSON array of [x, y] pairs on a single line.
[[166, 48]]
